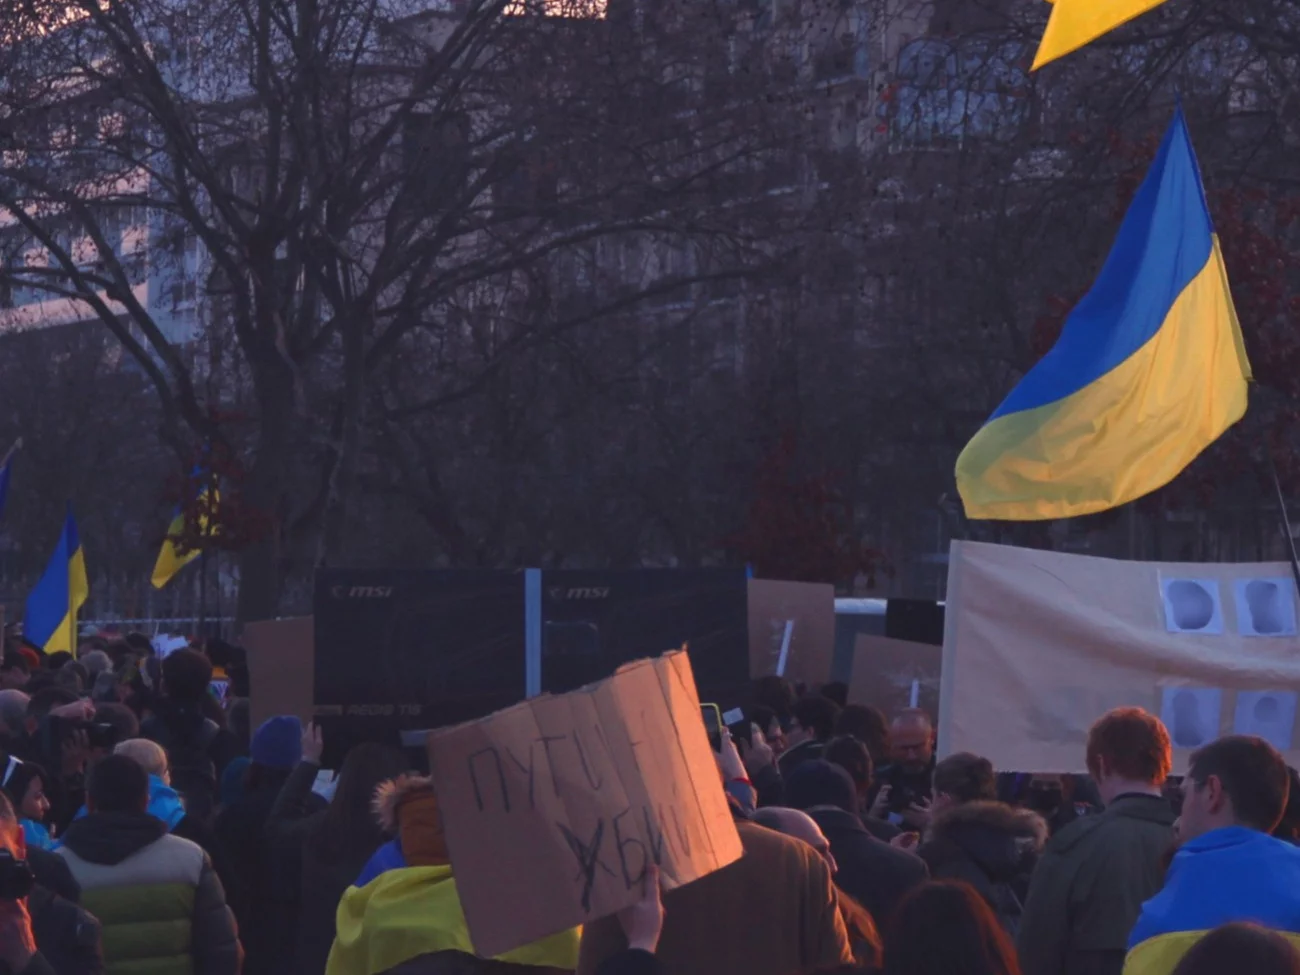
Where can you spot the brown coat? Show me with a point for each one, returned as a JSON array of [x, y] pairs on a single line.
[[773, 912]]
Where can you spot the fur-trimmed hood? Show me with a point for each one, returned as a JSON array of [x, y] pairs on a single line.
[[1001, 839], [408, 808], [391, 794]]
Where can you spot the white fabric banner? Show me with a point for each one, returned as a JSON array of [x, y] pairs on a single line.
[[1038, 645]]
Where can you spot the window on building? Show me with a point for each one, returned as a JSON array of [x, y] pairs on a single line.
[[847, 50], [188, 269], [946, 94]]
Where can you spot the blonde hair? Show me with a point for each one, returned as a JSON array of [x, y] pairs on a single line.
[[149, 755]]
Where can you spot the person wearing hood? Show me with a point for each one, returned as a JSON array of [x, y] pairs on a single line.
[[156, 895], [976, 839], [404, 910], [265, 876]]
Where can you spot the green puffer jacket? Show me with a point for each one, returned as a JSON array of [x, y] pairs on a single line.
[[160, 903]]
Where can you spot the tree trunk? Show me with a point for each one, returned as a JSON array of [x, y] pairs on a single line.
[[259, 563]]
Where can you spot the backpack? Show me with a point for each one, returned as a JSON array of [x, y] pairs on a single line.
[[193, 773]]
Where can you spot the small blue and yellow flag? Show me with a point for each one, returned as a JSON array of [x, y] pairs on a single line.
[[1076, 23], [1149, 370], [170, 559], [51, 619]]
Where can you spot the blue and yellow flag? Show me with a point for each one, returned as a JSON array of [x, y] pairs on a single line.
[[413, 911], [1149, 370], [51, 619], [1076, 23], [1225, 875], [170, 559]]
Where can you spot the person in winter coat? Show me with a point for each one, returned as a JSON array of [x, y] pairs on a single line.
[[775, 911], [1091, 881], [67, 936], [165, 802], [334, 842], [265, 877], [198, 747], [978, 840], [405, 909], [870, 870], [156, 895]]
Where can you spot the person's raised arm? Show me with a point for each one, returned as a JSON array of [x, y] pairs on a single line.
[[294, 803]]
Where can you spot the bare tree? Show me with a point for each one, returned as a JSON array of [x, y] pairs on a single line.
[[363, 187]]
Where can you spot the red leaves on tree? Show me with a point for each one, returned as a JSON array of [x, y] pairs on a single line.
[[210, 496], [801, 528]]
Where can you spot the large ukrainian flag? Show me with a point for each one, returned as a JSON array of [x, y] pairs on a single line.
[[1075, 23], [1149, 370], [51, 619]]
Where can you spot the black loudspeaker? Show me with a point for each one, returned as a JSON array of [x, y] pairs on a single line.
[[594, 621], [409, 650], [405, 650], [916, 620]]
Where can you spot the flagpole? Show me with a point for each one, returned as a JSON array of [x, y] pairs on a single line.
[[18, 445], [1286, 519], [72, 600]]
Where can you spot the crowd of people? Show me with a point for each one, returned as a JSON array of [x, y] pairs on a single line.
[[147, 829]]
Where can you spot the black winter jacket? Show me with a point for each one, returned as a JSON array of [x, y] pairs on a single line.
[[991, 846]]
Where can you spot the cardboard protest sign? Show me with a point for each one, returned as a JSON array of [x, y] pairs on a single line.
[[885, 672], [1038, 645], [554, 808], [280, 665], [772, 607]]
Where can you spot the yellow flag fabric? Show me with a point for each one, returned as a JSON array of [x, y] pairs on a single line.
[[170, 560], [415, 911], [1076, 23]]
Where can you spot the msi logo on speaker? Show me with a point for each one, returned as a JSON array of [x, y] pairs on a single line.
[[595, 592], [362, 592]]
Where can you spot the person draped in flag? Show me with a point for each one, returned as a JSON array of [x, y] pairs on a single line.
[[1228, 868]]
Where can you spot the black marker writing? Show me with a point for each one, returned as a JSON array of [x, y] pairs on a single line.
[[592, 780], [588, 857], [683, 835], [532, 803], [546, 744], [654, 836], [622, 843], [501, 776]]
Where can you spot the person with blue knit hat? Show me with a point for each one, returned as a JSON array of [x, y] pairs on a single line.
[[277, 744], [265, 889]]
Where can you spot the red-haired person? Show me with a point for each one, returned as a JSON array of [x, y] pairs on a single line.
[[1095, 874]]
